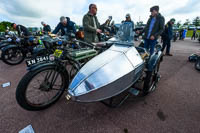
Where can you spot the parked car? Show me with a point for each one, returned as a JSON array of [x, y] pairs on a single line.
[[191, 27], [198, 27]]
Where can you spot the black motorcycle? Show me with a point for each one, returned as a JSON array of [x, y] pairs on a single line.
[[49, 76], [175, 36], [15, 53]]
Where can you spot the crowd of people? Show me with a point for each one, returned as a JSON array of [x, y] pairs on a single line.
[[154, 28]]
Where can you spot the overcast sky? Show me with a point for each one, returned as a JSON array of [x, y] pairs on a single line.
[[32, 12]]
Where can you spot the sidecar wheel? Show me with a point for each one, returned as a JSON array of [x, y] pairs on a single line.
[[151, 80]]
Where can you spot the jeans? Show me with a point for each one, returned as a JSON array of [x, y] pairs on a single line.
[[150, 44], [166, 42]]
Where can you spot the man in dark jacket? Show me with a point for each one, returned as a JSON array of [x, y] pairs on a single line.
[[22, 31], [154, 28], [46, 27], [167, 35], [91, 25], [194, 34], [65, 25]]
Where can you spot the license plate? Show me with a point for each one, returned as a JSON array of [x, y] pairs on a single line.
[[57, 53], [37, 60]]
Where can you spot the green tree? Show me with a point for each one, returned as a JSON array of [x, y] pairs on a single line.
[[178, 24], [196, 21], [4, 25], [187, 22]]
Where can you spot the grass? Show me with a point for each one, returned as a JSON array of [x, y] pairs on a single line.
[[190, 32]]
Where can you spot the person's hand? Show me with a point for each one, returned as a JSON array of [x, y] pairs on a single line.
[[152, 37], [98, 31]]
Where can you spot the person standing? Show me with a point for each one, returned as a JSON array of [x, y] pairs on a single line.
[[167, 36], [128, 19], [180, 34], [194, 34], [184, 34], [153, 29], [91, 25]]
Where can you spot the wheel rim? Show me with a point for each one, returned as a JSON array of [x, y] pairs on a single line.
[[13, 55], [198, 65], [40, 92]]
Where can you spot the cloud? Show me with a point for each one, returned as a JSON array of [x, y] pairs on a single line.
[[20, 8], [190, 6], [32, 12]]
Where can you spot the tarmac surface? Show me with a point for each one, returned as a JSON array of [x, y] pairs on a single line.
[[174, 107]]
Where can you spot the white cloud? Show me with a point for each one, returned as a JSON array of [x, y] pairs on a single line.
[[31, 13]]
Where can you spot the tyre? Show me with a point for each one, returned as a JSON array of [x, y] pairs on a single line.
[[73, 70], [197, 64], [41, 88], [151, 80], [12, 56]]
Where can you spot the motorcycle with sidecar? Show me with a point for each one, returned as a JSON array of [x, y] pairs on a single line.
[[107, 75]]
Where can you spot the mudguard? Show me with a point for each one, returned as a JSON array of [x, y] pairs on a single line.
[[9, 46], [39, 66], [3, 45], [154, 59]]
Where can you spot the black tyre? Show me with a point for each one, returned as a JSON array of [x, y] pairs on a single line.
[[41, 88], [12, 56], [151, 80], [197, 64]]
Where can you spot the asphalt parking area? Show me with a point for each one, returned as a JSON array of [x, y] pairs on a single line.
[[173, 107]]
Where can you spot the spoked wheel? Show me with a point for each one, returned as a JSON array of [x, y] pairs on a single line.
[[12, 56], [73, 71], [72, 67], [197, 64], [41, 88], [151, 80]]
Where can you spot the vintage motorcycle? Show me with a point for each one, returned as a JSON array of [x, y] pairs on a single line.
[[195, 58], [108, 74], [55, 71], [15, 53]]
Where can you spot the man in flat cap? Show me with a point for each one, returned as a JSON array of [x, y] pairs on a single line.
[[167, 36], [153, 29]]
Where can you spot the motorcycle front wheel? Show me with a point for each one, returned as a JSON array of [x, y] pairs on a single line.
[[41, 88]]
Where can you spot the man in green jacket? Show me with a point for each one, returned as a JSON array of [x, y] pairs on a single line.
[[91, 25], [153, 29]]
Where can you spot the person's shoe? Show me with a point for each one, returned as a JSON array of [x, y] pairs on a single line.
[[169, 54]]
